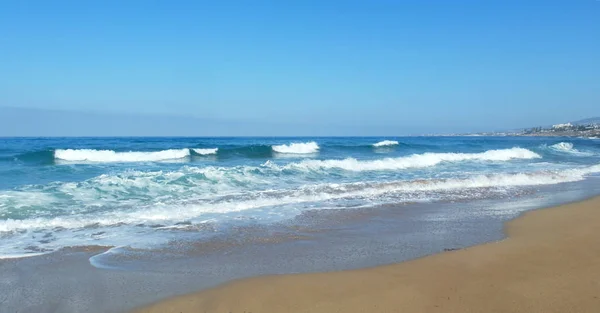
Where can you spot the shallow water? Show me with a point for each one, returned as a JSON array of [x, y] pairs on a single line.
[[94, 279]]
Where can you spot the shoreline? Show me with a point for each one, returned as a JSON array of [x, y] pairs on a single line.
[[548, 262], [338, 240]]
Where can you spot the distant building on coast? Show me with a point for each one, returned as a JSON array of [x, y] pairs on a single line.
[[562, 126]]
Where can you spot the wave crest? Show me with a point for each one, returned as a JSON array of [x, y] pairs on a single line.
[[206, 151], [386, 143], [412, 161], [567, 147], [563, 146], [297, 148], [105, 156]]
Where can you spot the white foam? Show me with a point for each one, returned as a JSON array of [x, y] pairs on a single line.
[[563, 146], [206, 151], [386, 143], [184, 210], [412, 161], [10, 199], [297, 148], [567, 147], [20, 256], [163, 187], [105, 156]]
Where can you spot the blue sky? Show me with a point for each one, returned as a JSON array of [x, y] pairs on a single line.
[[338, 67]]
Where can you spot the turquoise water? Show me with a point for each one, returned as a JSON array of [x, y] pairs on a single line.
[[148, 192]]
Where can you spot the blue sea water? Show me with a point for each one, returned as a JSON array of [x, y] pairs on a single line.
[[149, 192]]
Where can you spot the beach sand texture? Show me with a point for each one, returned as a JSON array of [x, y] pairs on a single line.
[[550, 262]]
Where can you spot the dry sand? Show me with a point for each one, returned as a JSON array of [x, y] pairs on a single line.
[[549, 263]]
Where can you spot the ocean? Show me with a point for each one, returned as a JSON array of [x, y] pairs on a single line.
[[147, 194]]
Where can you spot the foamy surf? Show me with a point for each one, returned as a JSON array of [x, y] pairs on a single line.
[[567, 147], [206, 151], [106, 156], [413, 161], [151, 200], [394, 191], [385, 143], [20, 255], [297, 148], [563, 146]]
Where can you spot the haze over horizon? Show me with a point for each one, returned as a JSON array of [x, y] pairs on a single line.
[[32, 122], [295, 68]]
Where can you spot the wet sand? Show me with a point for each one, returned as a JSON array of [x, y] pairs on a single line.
[[550, 262]]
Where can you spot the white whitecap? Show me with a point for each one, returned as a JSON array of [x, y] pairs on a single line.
[[105, 156], [297, 148], [567, 147], [386, 143], [412, 161], [563, 146], [206, 151]]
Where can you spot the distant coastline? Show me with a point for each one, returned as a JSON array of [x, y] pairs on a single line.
[[589, 128]]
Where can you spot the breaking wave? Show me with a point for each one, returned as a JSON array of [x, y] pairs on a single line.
[[184, 207], [297, 148], [413, 161], [228, 183], [386, 143], [102, 156], [206, 151], [563, 146], [567, 147]]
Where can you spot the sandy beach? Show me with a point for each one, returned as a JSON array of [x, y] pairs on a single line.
[[550, 262]]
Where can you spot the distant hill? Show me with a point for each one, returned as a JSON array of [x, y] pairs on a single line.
[[589, 127], [593, 120]]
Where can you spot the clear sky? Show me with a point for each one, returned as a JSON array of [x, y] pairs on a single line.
[[340, 66]]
